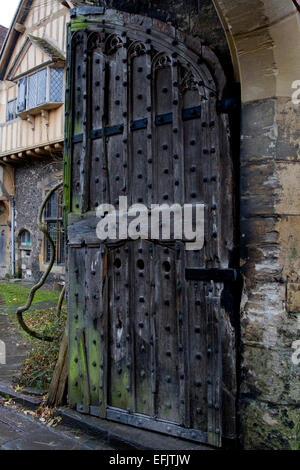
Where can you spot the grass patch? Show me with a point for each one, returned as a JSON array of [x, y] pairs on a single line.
[[15, 295], [38, 367]]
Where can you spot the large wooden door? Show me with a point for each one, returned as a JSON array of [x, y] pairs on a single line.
[[151, 344]]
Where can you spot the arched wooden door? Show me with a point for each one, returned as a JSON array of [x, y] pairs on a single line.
[[150, 343]]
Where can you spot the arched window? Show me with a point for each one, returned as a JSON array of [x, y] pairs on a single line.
[[25, 238], [54, 221]]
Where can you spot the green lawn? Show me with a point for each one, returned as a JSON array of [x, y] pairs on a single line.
[[37, 369], [16, 295]]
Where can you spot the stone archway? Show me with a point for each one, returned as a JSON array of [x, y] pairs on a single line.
[[264, 39]]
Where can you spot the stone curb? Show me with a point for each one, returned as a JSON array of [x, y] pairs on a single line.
[[30, 402]]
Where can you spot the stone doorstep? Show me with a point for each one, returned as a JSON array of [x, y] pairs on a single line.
[[125, 437], [119, 436]]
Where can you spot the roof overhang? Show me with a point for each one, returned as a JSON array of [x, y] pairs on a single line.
[[54, 54], [15, 31], [13, 35]]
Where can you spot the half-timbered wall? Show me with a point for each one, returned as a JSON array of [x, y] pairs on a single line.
[[46, 19]]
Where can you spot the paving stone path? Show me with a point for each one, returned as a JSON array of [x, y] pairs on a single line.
[[21, 432], [15, 344]]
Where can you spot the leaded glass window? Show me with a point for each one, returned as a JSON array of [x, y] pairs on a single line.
[[56, 85], [32, 91], [55, 228], [22, 91], [44, 86], [11, 110], [41, 87]]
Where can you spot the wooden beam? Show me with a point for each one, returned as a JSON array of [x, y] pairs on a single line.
[[41, 152], [59, 146], [20, 28], [49, 148], [32, 154]]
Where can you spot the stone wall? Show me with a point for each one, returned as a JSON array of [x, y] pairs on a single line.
[[264, 38], [270, 241], [32, 180]]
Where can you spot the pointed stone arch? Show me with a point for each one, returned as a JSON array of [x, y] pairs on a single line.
[[264, 39]]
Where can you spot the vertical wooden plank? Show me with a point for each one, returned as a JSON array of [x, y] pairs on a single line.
[[218, 368], [76, 306], [77, 121], [195, 169], [141, 292], [83, 371], [178, 157], [196, 308], [163, 188], [214, 366], [182, 317], [98, 169], [94, 312], [140, 160], [195, 155], [168, 351], [116, 106], [120, 340], [214, 330], [104, 333], [85, 154], [213, 201]]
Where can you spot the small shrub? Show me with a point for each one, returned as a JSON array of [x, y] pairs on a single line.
[[39, 365]]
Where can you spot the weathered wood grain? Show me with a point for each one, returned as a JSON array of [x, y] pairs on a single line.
[[150, 344]]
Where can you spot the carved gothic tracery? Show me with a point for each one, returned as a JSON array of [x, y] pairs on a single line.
[[137, 49], [162, 61], [112, 44]]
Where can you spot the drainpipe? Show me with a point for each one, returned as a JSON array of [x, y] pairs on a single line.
[[12, 253]]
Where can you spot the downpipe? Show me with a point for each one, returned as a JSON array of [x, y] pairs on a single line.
[[12, 253]]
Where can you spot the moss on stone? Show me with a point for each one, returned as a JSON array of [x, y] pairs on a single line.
[[270, 427]]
